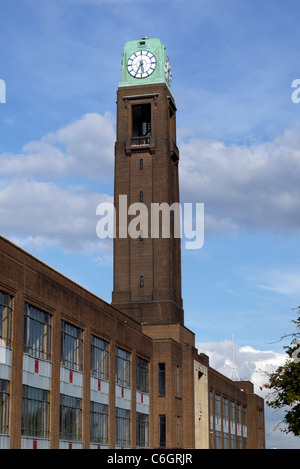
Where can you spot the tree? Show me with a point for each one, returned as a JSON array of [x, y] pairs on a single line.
[[285, 384]]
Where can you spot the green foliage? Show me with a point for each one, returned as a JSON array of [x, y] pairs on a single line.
[[285, 386]]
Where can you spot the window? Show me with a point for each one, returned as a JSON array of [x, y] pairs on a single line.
[[35, 412], [37, 332], [122, 367], [142, 430], [70, 418], [142, 375], [225, 441], [161, 379], [172, 124], [5, 318], [177, 381], [141, 196], [211, 420], [99, 358], [99, 423], [141, 163], [71, 346], [225, 408], [141, 281], [238, 414], [218, 440], [141, 120], [122, 427], [4, 405], [260, 418], [218, 406], [232, 441], [162, 431], [232, 408], [244, 416], [211, 410], [178, 431], [232, 424]]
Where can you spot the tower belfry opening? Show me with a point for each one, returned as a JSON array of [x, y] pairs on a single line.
[[141, 120]]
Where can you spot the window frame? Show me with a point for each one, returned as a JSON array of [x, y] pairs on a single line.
[[4, 407], [35, 412], [70, 418], [178, 381], [141, 120], [99, 358], [142, 374], [123, 367], [6, 311], [122, 424], [217, 405], [161, 379], [142, 430], [162, 431], [225, 408], [98, 423], [37, 332], [71, 346]]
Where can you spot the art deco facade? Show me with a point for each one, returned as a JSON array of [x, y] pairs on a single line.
[[77, 372]]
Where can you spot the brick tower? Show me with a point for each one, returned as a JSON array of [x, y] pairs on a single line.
[[147, 266]]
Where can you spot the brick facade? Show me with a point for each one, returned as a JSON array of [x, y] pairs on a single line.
[[184, 403]]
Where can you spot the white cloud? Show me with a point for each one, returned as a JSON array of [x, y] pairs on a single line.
[[40, 204], [281, 281], [36, 160], [242, 187], [89, 145], [250, 364], [84, 147], [245, 187], [48, 214]]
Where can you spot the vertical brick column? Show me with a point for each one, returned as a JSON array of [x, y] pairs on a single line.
[[133, 400], [152, 391], [112, 395], [15, 407], [55, 381], [86, 388]]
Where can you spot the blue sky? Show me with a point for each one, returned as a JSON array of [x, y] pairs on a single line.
[[233, 64]]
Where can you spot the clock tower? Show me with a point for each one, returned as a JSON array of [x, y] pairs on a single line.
[[147, 265]]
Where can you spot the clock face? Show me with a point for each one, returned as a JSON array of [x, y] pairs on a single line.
[[168, 73], [141, 64]]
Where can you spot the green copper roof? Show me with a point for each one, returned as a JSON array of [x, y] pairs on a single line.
[[145, 61]]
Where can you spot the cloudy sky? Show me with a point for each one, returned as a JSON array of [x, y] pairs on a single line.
[[233, 66]]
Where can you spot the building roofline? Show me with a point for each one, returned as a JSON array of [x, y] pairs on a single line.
[[68, 279]]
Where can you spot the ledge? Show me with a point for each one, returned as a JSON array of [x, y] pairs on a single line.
[[138, 144]]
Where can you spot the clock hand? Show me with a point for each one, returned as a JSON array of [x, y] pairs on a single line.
[[141, 66]]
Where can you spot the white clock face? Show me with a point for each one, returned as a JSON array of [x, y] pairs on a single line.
[[168, 73], [141, 64]]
